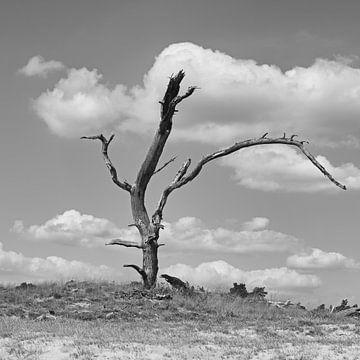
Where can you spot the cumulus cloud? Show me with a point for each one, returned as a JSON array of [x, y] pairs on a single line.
[[51, 268], [238, 98], [191, 234], [319, 259], [220, 274], [73, 228], [186, 234], [79, 104], [257, 223], [38, 66], [281, 168]]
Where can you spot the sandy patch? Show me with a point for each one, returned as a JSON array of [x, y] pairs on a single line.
[[334, 342]]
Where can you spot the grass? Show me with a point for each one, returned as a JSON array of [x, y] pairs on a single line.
[[86, 320]]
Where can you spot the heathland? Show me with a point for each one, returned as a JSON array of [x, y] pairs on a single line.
[[93, 320]]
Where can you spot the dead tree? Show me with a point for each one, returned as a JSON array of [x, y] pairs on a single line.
[[149, 228]]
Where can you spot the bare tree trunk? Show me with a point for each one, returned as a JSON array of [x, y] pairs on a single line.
[[150, 263], [149, 229], [149, 236]]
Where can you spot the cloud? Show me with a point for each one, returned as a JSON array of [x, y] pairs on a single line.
[[319, 259], [80, 104], [51, 268], [191, 234], [187, 234], [75, 229], [238, 99], [220, 274], [281, 168], [257, 223], [38, 66]]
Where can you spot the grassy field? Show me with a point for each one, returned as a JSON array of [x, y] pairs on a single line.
[[84, 320]]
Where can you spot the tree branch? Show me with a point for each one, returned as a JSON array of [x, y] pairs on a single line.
[[188, 93], [140, 271], [181, 179], [166, 164], [168, 108], [157, 216], [124, 243], [182, 171], [105, 144]]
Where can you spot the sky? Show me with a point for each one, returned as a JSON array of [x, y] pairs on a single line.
[[264, 216]]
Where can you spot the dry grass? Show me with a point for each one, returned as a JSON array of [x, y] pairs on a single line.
[[111, 321]]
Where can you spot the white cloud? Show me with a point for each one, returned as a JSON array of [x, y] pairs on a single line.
[[257, 223], [238, 99], [281, 168], [220, 274], [190, 234], [37, 65], [74, 228], [51, 268], [80, 104], [186, 234], [319, 259]]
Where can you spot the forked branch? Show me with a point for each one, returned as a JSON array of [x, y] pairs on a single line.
[[105, 144], [181, 178], [168, 108]]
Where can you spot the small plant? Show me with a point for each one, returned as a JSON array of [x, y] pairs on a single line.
[[258, 293]]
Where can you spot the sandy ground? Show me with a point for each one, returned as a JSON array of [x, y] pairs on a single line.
[[333, 342]]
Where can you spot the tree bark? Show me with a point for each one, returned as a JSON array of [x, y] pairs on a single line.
[[149, 236], [150, 263]]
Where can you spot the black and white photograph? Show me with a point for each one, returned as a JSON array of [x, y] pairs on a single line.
[[179, 179]]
